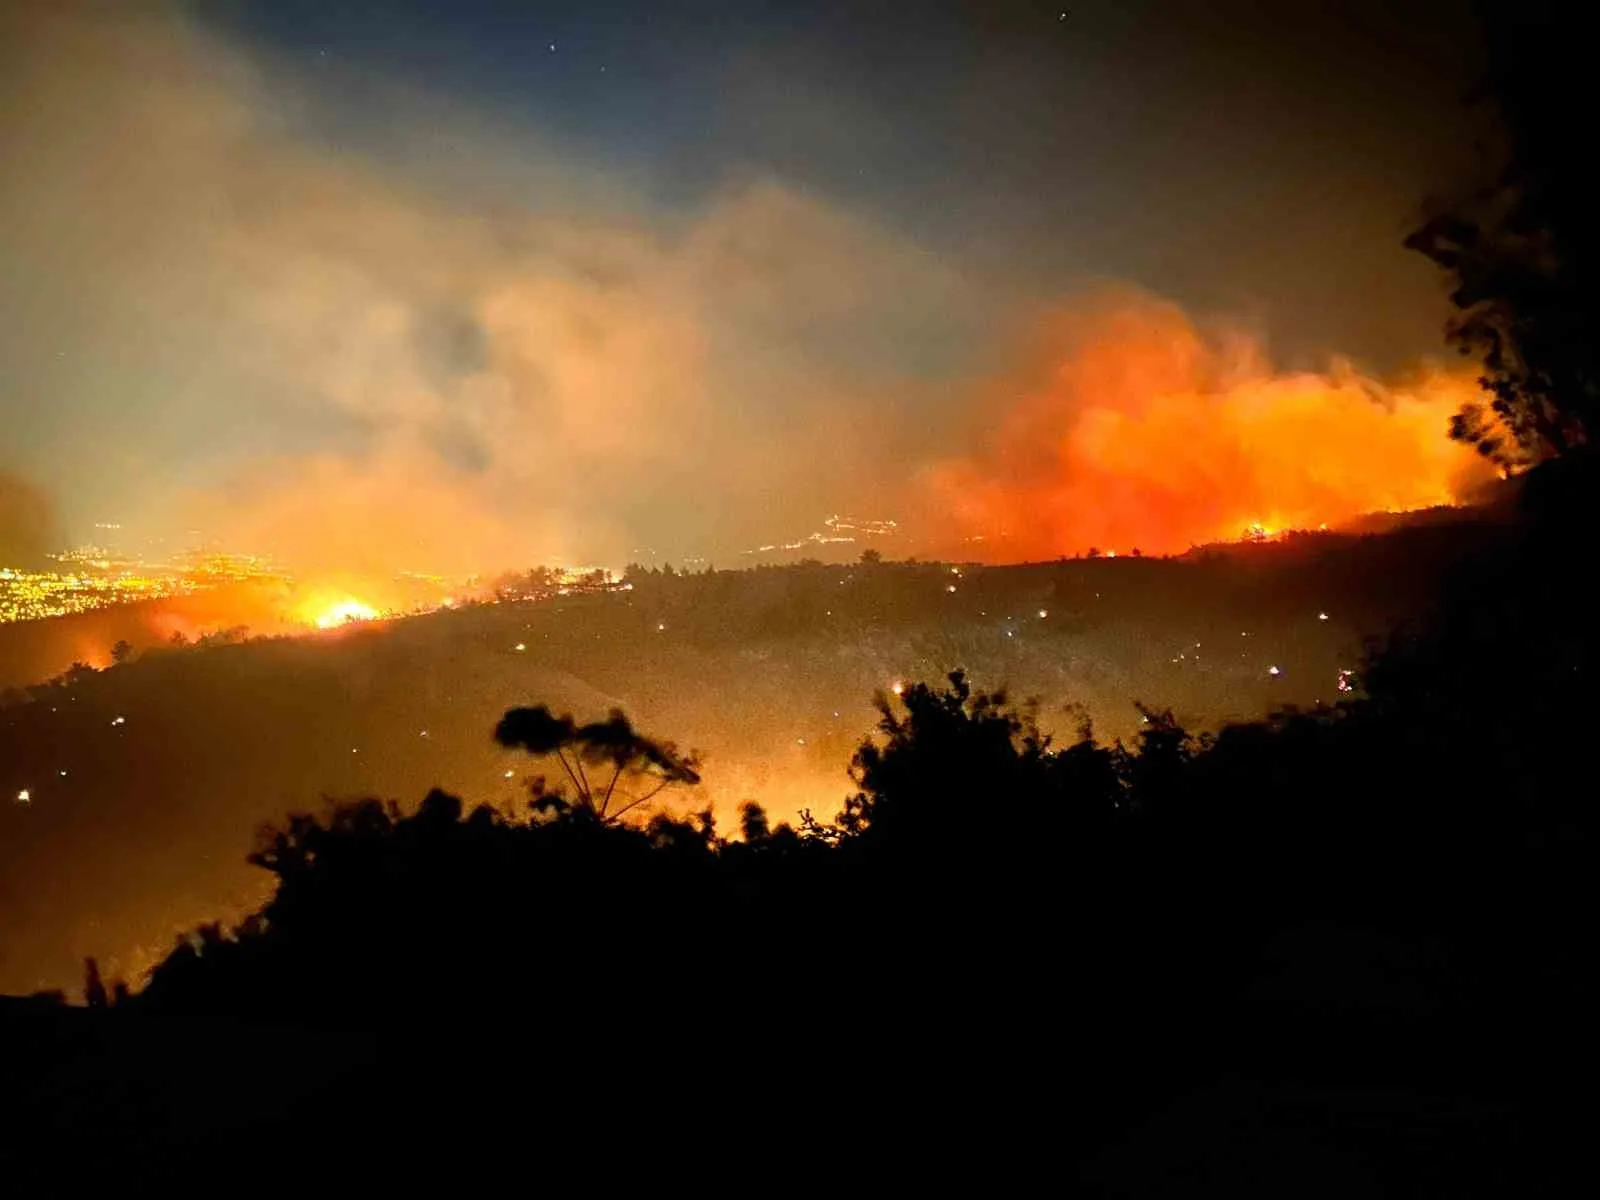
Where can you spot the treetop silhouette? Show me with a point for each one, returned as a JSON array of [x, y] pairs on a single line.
[[1521, 245], [648, 766]]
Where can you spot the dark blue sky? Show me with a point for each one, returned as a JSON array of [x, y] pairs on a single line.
[[1260, 157]]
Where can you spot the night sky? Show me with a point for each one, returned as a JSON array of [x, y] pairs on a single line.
[[409, 284], [1230, 154]]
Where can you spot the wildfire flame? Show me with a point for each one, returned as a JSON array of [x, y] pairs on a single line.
[[344, 612], [1126, 427]]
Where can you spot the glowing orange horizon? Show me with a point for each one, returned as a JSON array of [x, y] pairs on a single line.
[[1128, 429]]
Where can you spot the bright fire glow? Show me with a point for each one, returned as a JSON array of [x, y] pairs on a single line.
[[344, 612], [1125, 425]]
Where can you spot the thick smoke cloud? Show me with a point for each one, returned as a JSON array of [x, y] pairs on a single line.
[[319, 354], [473, 349], [28, 529]]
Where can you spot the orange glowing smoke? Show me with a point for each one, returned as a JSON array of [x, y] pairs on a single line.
[[1128, 428]]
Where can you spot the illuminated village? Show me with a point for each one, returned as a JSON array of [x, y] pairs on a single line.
[[92, 577]]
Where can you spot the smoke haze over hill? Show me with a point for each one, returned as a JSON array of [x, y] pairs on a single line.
[[459, 342]]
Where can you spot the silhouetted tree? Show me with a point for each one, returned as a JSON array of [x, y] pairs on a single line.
[[940, 750], [1158, 774], [94, 989], [649, 766], [1522, 247], [122, 652], [753, 822], [871, 557], [76, 674]]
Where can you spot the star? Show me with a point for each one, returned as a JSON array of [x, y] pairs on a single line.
[[552, 47]]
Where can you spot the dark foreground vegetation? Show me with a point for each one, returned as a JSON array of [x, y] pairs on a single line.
[[1329, 950], [769, 672]]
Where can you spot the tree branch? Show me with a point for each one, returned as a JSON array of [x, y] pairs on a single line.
[[583, 794], [632, 804]]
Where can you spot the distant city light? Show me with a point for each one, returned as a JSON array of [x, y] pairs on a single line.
[[950, 588], [661, 626], [1274, 671], [509, 775], [24, 797], [1322, 616], [1043, 613], [898, 688], [520, 646], [92, 577], [119, 720]]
